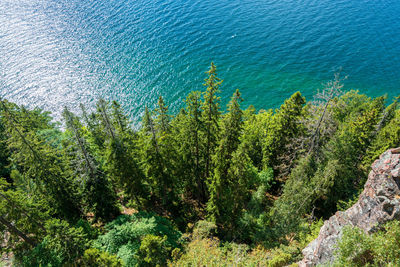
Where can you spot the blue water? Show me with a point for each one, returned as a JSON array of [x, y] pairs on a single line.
[[63, 52]]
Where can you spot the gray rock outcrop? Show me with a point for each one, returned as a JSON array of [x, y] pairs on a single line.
[[378, 203]]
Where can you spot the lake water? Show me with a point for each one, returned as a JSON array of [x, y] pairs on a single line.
[[63, 52]]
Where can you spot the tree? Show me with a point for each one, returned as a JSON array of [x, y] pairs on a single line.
[[255, 128], [159, 157], [227, 185], [211, 114], [4, 152], [188, 127], [323, 125], [387, 134], [120, 157], [41, 162], [97, 191], [284, 129], [336, 175]]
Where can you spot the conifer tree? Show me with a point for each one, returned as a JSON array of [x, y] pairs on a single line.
[[21, 216], [255, 128], [97, 190], [4, 152], [119, 118], [40, 162], [284, 128], [224, 182], [194, 126], [121, 162], [158, 154], [211, 114], [186, 130], [337, 175], [93, 129], [387, 134], [162, 118]]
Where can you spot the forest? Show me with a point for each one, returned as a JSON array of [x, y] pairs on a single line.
[[207, 186]]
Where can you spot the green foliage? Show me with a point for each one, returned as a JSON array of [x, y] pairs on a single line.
[[96, 258], [210, 115], [266, 178], [255, 128], [258, 178], [22, 217], [4, 152], [382, 248], [125, 235], [62, 245], [204, 229], [284, 128], [387, 137], [40, 162], [187, 129], [153, 251], [234, 173], [98, 195], [121, 162], [210, 252]]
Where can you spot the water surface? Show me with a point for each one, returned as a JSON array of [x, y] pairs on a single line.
[[63, 52]]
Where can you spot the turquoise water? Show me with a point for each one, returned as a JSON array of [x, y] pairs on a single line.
[[63, 52]]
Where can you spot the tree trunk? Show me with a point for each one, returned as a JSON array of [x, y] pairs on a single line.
[[17, 232]]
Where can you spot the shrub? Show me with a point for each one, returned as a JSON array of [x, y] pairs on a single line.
[[204, 229], [382, 248], [62, 245], [153, 251], [94, 257], [125, 235]]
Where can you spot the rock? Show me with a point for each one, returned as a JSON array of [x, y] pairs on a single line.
[[377, 204]]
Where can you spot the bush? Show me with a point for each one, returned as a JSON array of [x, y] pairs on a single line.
[[94, 257], [382, 248], [62, 245], [153, 251], [125, 235], [210, 252], [204, 229]]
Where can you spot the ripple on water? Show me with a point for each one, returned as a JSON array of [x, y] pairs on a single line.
[[64, 52]]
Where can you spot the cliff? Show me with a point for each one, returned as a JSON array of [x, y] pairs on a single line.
[[378, 203]]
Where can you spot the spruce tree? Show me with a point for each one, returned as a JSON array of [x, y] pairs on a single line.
[[158, 155], [224, 182], [40, 162], [284, 129], [97, 192], [194, 126], [120, 157], [211, 114], [186, 131]]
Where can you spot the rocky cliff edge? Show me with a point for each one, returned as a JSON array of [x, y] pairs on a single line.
[[378, 203]]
